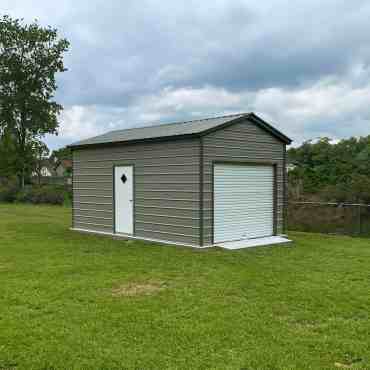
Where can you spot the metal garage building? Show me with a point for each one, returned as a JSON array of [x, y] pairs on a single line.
[[195, 183]]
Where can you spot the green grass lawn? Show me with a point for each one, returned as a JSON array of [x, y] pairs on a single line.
[[78, 301]]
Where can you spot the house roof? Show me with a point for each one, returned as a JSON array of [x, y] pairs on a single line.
[[66, 163], [177, 129]]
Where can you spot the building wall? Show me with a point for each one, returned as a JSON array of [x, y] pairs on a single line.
[[60, 171], [166, 180], [240, 142]]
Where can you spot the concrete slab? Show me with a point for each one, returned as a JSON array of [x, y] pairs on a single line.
[[249, 243]]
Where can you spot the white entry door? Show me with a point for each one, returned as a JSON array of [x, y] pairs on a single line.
[[124, 202], [243, 202]]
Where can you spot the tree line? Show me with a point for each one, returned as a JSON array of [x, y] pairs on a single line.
[[327, 171]]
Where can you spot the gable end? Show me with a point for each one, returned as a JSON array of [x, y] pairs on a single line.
[[251, 117]]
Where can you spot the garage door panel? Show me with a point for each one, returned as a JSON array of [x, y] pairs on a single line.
[[243, 201], [251, 221], [252, 212], [251, 193], [260, 204], [234, 217]]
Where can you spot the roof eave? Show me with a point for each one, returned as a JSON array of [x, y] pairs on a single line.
[[135, 141]]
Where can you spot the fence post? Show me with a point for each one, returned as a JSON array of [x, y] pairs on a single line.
[[359, 220]]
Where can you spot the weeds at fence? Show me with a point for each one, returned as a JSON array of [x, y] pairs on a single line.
[[330, 218]]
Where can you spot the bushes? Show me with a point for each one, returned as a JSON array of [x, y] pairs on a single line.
[[8, 193], [44, 194]]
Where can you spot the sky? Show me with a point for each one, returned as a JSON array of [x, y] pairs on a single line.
[[303, 66]]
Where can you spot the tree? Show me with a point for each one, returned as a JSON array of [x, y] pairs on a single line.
[[331, 172], [59, 154], [30, 58], [41, 153]]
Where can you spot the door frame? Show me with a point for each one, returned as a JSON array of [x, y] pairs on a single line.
[[123, 164], [274, 165]]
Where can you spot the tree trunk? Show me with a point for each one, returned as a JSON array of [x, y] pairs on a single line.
[[22, 146], [22, 178]]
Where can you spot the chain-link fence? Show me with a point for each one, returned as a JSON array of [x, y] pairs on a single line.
[[331, 218]]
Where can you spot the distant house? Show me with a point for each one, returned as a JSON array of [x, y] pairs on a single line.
[[54, 172], [63, 168], [46, 169]]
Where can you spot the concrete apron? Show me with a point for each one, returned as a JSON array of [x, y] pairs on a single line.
[[249, 243]]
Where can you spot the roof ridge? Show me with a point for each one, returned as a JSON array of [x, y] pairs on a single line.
[[195, 127], [179, 122]]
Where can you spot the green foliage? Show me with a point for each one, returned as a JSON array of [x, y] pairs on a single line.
[[47, 194], [62, 153], [329, 218], [335, 172], [44, 194], [8, 155], [8, 193], [57, 156], [30, 58], [41, 152]]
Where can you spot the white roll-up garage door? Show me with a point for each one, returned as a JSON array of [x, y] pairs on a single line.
[[243, 201]]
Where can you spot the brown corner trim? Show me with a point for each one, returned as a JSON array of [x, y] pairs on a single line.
[[201, 188]]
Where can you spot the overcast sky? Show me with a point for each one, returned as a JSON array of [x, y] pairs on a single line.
[[304, 66]]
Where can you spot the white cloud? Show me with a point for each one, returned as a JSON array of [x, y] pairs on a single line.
[[79, 122], [331, 107], [328, 108], [190, 99]]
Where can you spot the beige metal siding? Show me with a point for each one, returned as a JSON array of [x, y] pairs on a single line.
[[240, 142], [166, 180]]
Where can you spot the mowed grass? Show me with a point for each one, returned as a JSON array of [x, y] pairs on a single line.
[[78, 301]]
